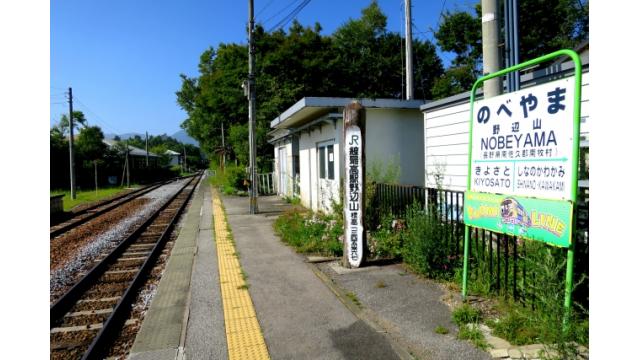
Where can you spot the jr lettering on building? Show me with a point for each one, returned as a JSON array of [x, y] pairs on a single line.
[[522, 142]]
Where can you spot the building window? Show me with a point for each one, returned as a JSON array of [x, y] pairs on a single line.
[[321, 162], [331, 162]]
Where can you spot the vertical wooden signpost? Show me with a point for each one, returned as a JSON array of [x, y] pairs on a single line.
[[354, 185], [523, 163]]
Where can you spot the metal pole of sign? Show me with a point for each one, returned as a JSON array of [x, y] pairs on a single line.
[[574, 180]]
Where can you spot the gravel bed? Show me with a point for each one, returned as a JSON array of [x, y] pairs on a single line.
[[64, 247], [65, 276], [122, 346]]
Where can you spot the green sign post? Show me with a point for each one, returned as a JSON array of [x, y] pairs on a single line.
[[522, 176]]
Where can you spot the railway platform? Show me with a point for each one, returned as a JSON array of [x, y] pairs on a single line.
[[245, 295]]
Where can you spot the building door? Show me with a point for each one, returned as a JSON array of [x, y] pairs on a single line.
[[282, 160], [327, 184]]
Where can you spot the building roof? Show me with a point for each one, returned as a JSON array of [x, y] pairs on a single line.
[[527, 79], [133, 151], [172, 153], [313, 107]]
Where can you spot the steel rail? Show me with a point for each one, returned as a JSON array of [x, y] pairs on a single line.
[[117, 318], [112, 204], [68, 299]]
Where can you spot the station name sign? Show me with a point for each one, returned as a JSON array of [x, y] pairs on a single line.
[[521, 163]]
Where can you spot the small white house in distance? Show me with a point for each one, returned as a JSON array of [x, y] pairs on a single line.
[[307, 140], [174, 157], [446, 128]]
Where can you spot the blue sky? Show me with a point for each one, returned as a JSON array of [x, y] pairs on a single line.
[[123, 58]]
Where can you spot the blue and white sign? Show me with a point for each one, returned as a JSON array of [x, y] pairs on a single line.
[[523, 142]]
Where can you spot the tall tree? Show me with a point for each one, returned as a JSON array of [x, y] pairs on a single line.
[[78, 119], [544, 26], [90, 146]]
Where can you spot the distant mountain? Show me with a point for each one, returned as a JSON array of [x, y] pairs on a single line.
[[123, 136], [183, 137]]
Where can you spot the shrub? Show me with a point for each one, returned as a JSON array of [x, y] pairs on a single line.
[[386, 240], [465, 314], [310, 233], [425, 247]]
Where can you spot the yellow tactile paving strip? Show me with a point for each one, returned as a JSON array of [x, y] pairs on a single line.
[[244, 337]]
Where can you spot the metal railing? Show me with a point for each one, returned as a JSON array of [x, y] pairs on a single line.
[[266, 185], [500, 256]]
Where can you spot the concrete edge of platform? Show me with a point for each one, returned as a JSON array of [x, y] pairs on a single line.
[[403, 349], [162, 332]]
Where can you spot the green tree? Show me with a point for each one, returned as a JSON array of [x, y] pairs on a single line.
[[361, 59], [91, 147], [78, 119], [544, 26]]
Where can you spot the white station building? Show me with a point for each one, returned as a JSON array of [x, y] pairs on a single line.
[[309, 149]]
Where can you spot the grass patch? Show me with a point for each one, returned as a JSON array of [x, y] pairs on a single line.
[[354, 298], [310, 233], [441, 330], [465, 314], [380, 284], [83, 197], [472, 333], [243, 287]]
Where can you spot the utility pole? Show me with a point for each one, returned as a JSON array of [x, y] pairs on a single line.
[[224, 149], [72, 172], [184, 151], [408, 43], [511, 43], [253, 195], [127, 162], [146, 145], [490, 54]]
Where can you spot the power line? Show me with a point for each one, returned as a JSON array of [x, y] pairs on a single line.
[[98, 117], [264, 7], [280, 12], [291, 15]]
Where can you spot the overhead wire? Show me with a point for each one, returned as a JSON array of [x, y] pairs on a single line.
[[264, 7], [280, 12], [290, 16], [99, 119]]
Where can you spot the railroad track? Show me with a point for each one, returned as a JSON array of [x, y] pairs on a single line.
[[102, 207], [88, 317]]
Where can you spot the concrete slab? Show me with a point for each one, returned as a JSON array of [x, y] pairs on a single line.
[[406, 306], [300, 317], [205, 336], [162, 329]]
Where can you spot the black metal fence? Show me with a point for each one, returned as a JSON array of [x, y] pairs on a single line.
[[498, 256]]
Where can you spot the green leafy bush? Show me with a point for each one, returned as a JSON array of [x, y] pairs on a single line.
[[310, 233], [425, 247], [386, 240]]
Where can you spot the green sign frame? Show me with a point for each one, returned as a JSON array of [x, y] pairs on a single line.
[[574, 181]]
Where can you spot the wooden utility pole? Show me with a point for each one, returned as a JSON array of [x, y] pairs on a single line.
[[224, 149], [409, 48], [146, 145], [253, 193], [184, 151], [72, 171], [127, 162]]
